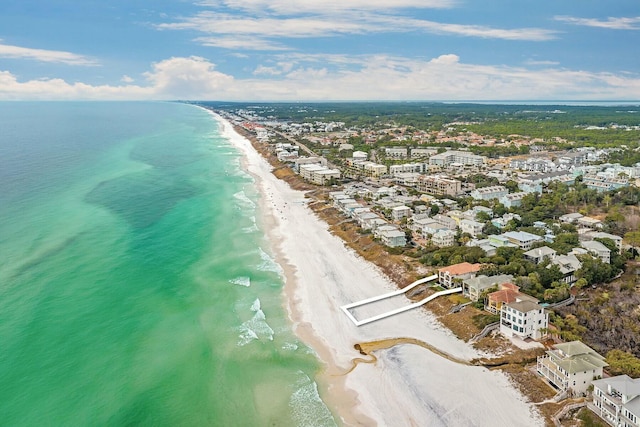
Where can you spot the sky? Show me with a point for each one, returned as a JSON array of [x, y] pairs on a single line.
[[322, 50]]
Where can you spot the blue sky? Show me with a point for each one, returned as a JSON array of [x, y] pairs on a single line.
[[320, 49]]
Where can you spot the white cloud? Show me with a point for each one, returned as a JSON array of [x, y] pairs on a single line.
[[255, 32], [326, 6], [126, 79], [610, 23], [187, 78], [379, 77], [43, 55], [240, 42]]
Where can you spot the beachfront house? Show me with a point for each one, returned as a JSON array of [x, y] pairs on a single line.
[[453, 275], [473, 287], [506, 293], [571, 366], [617, 400], [523, 318], [390, 236]]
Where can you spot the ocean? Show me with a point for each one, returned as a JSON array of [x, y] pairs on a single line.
[[136, 283]]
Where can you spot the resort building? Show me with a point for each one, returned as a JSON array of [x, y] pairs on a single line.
[[319, 175], [523, 318], [489, 193], [449, 158], [396, 152], [513, 199], [439, 185], [418, 153], [617, 400], [571, 366], [453, 275]]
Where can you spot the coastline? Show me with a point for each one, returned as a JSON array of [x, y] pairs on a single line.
[[407, 385]]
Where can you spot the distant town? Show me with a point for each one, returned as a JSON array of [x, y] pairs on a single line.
[[539, 230]]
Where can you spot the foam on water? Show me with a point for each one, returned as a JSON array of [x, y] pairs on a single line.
[[308, 408], [268, 263], [241, 281], [256, 328]]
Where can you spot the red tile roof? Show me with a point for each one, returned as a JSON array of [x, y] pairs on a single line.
[[462, 268]]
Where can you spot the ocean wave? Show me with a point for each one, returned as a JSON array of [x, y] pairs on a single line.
[[255, 328], [253, 227], [290, 346], [269, 264], [241, 281], [243, 200], [307, 407]]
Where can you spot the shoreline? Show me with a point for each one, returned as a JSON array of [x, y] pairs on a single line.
[[406, 385]]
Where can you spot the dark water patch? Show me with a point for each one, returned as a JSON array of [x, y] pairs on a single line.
[[141, 199], [36, 262]]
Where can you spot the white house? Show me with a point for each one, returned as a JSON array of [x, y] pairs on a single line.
[[523, 318], [443, 238], [617, 400], [400, 212], [488, 193], [391, 236], [474, 228], [522, 239], [598, 250], [538, 255], [571, 366]]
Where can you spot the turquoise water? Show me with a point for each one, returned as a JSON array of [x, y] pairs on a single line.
[[136, 286]]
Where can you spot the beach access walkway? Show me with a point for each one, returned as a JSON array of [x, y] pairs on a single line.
[[347, 307]]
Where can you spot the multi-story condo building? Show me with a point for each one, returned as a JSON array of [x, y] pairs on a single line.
[[617, 400], [571, 366], [488, 193], [462, 157], [439, 185]]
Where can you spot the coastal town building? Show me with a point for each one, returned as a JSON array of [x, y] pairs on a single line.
[[319, 175], [568, 264], [390, 236], [439, 185], [396, 152], [506, 293], [598, 250], [473, 287], [400, 212], [443, 238], [538, 255], [453, 275], [617, 400], [474, 228], [489, 193], [522, 239], [571, 366], [523, 318], [449, 158]]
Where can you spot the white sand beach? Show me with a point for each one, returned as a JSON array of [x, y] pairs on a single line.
[[408, 385]]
